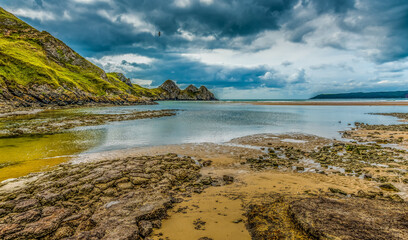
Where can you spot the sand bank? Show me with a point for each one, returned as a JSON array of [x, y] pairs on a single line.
[[329, 103]]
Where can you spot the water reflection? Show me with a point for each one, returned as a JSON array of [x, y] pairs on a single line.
[[219, 122]]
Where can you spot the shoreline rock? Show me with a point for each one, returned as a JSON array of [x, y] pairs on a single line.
[[98, 200], [14, 127]]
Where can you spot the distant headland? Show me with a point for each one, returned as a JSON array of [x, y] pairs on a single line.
[[391, 94]]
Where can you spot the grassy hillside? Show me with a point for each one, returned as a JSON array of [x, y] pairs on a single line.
[[36, 67]]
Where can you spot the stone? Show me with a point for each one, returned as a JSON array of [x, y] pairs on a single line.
[[28, 216], [123, 232], [26, 204], [84, 211], [64, 232], [127, 185], [336, 190], [156, 223], [86, 188], [207, 180], [228, 179], [199, 224], [9, 228], [207, 163], [139, 180], [389, 187], [45, 225], [145, 228]]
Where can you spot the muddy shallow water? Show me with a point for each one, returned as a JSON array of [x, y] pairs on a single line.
[[23, 155], [196, 122]]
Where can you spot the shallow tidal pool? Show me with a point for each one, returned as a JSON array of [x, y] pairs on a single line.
[[23, 155]]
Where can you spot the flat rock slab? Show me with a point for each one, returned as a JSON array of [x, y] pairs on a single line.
[[325, 218], [115, 199]]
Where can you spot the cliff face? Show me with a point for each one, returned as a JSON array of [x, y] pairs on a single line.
[[38, 69], [170, 91]]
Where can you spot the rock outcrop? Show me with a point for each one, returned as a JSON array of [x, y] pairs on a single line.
[[114, 199], [37, 69], [170, 91], [124, 79]]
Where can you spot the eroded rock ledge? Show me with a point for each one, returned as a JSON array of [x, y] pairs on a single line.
[[115, 199], [13, 126]]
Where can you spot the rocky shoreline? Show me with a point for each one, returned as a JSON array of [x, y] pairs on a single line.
[[85, 201], [265, 186], [32, 123]]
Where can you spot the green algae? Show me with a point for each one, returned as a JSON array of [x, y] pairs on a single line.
[[23, 155]]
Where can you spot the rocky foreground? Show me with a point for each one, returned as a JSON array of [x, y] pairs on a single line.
[[265, 186], [285, 198], [116, 199]]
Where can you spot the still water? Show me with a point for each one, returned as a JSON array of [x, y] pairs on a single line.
[[220, 122], [195, 122]]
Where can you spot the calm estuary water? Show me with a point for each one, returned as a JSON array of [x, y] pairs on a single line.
[[195, 122], [220, 122]]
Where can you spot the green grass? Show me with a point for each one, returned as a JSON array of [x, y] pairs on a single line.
[[24, 62]]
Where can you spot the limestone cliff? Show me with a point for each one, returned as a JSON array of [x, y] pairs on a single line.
[[170, 91], [38, 69]]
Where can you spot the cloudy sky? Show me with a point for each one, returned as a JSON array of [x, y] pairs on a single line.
[[238, 48]]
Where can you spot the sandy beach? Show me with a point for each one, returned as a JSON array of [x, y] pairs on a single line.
[[215, 191], [329, 103]]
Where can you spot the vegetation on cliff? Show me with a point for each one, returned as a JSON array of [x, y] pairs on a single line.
[[36, 68]]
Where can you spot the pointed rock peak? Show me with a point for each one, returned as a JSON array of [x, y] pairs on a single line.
[[204, 89], [191, 88], [169, 85], [123, 78]]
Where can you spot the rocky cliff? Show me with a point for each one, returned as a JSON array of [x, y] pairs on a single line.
[[38, 69], [170, 91]]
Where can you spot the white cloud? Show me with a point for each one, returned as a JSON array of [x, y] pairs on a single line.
[[66, 15], [182, 3], [207, 2], [134, 19], [191, 37], [34, 14], [91, 1], [142, 82], [122, 63]]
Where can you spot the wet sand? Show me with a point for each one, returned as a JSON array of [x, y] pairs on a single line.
[[221, 210], [268, 173], [329, 103]]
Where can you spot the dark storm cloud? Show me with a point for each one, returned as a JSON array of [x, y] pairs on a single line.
[[216, 24], [39, 3], [186, 71], [219, 21], [107, 27], [394, 16]]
